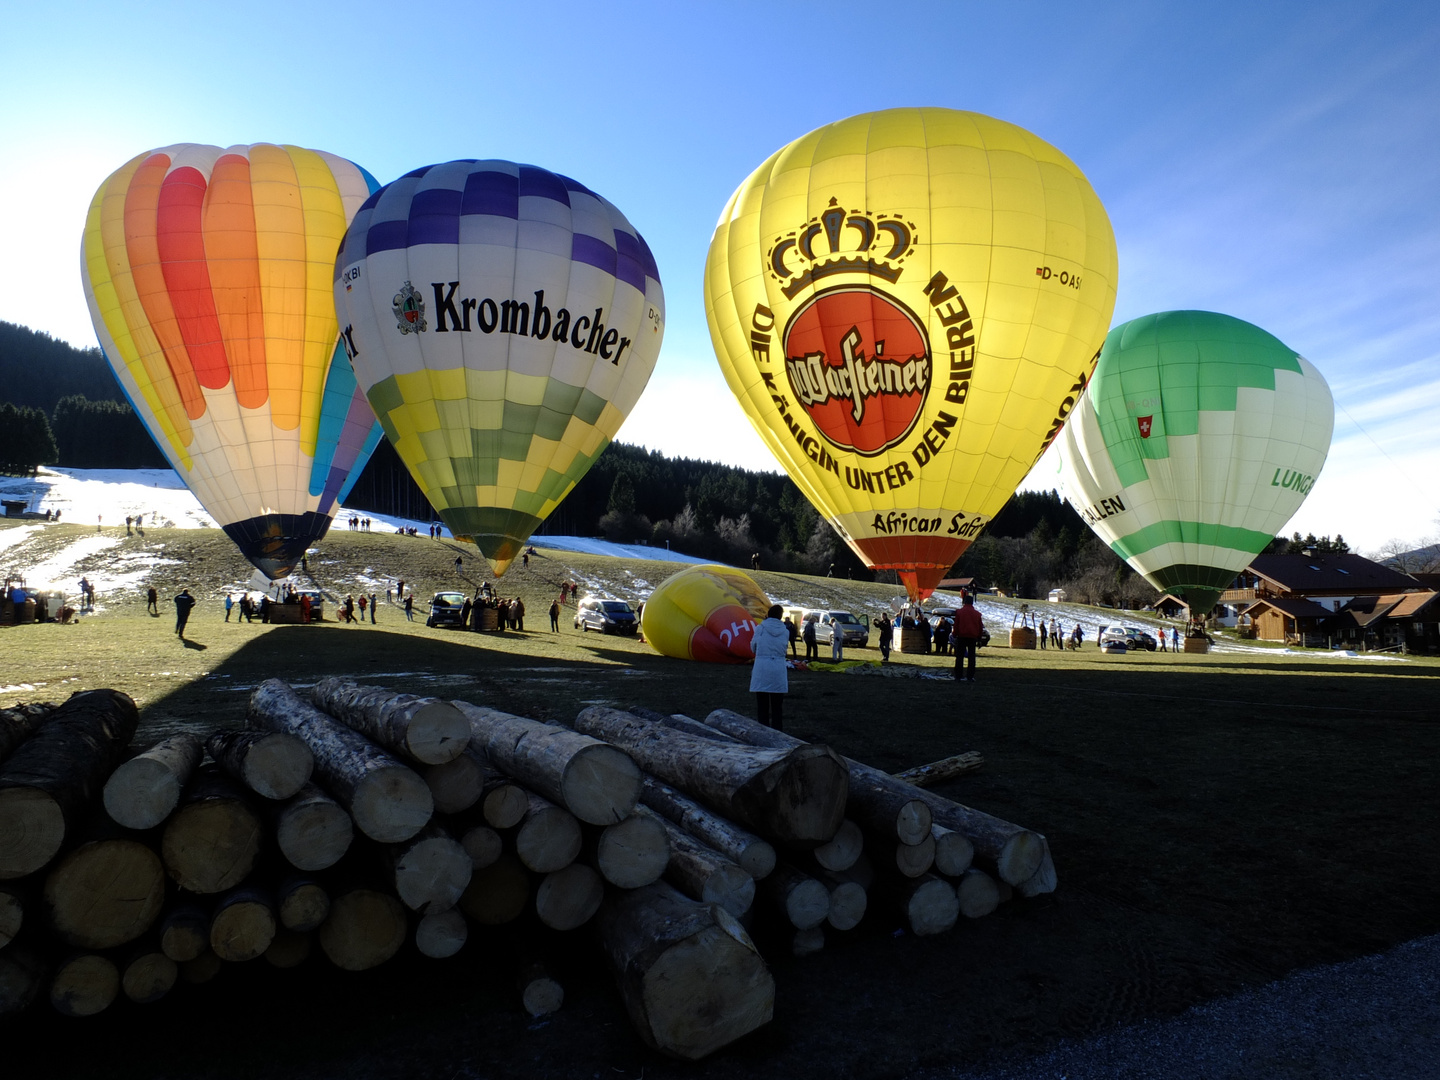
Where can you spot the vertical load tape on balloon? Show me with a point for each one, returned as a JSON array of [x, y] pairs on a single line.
[[907, 305]]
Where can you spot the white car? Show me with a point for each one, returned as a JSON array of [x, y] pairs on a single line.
[[852, 630]]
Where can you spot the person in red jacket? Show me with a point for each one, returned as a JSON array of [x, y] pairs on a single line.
[[966, 636]]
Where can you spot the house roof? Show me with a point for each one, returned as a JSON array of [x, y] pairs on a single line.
[[1413, 603], [1364, 610], [956, 583], [1340, 575], [1297, 607], [1169, 600], [1429, 580]]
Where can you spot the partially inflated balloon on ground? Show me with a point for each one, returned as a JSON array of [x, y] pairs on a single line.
[[1198, 439], [502, 320], [907, 304], [207, 272], [705, 613]]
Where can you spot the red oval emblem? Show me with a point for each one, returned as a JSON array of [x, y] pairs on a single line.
[[858, 363]]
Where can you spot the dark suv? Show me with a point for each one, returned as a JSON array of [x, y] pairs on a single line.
[[446, 608]]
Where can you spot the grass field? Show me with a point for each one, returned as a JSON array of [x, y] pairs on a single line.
[[1216, 822]]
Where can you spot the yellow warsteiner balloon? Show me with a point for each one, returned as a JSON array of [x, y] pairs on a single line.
[[907, 305], [705, 613]]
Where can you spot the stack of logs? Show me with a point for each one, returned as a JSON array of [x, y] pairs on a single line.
[[360, 821]]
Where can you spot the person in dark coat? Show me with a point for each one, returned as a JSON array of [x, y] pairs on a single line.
[[554, 616], [942, 637], [794, 632], [968, 628], [183, 603], [812, 651], [887, 637], [152, 601]]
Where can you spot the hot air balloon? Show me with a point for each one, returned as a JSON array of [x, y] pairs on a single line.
[[502, 320], [705, 613], [907, 304], [1197, 440], [207, 272]]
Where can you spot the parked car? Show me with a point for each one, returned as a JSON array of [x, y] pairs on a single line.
[[445, 609], [317, 603], [947, 614], [1113, 639], [852, 630], [1139, 639], [607, 616]]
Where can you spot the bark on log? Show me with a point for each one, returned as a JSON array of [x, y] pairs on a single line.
[[754, 855], [290, 949], [52, 778], [876, 801], [243, 924], [311, 829], [365, 928], [211, 842], [569, 898], [843, 849], [630, 853], [497, 894], [424, 729], [704, 874], [301, 903], [953, 851], [147, 975], [691, 979], [938, 772], [386, 799], [807, 942], [272, 764], [548, 838], [18, 723], [185, 932], [1043, 880], [540, 993], [441, 935], [796, 796], [928, 904], [144, 791], [13, 900], [801, 899], [104, 893], [201, 970], [977, 893], [22, 974], [84, 984], [596, 782], [431, 870]]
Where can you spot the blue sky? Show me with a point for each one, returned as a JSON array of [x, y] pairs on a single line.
[[1278, 161]]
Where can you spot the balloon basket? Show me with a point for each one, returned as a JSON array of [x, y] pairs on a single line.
[[1196, 645], [1022, 637]]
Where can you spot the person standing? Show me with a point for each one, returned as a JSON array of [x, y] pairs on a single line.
[[1042, 633], [410, 607], [554, 616], [1174, 639], [304, 608], [183, 603], [1164, 640], [968, 628], [229, 603], [152, 601], [769, 681], [373, 605], [812, 651], [887, 637], [457, 564], [837, 643], [942, 637], [364, 603], [793, 632]]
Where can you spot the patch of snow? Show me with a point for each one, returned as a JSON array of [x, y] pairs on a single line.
[[585, 545], [17, 535]]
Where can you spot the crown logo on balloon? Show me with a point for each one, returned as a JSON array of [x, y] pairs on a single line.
[[841, 241]]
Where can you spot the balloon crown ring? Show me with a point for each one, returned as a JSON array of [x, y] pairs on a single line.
[[856, 242]]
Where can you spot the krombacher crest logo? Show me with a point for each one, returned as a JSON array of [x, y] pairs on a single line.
[[409, 309]]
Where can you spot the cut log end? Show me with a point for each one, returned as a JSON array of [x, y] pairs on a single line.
[[540, 995], [391, 805], [977, 894], [142, 792], [848, 902], [632, 852], [1021, 857], [569, 898], [842, 850], [438, 733], [498, 893], [84, 985], [32, 828], [365, 929], [105, 893], [504, 806], [442, 935], [931, 907], [601, 785], [148, 977], [278, 765]]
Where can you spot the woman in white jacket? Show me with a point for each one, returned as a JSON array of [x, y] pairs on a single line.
[[768, 680]]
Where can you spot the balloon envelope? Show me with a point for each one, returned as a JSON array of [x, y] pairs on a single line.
[[502, 320], [1199, 437], [705, 613], [207, 272], [907, 304]]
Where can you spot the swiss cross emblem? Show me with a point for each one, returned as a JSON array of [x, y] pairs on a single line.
[[1144, 423]]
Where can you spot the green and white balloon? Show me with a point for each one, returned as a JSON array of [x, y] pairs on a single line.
[[1196, 441]]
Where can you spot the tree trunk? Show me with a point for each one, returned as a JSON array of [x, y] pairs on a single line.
[[387, 800], [848, 901], [290, 949], [876, 801], [311, 829], [270, 763], [243, 924], [843, 849], [441, 935], [84, 984], [18, 723], [796, 796], [301, 903], [1043, 880], [185, 932], [144, 791], [458, 784], [912, 860], [977, 893], [497, 894], [548, 838], [365, 928], [927, 904], [597, 783], [431, 870], [104, 893], [424, 729], [540, 993], [22, 974], [953, 851], [754, 855], [147, 975], [691, 979], [13, 901], [211, 842], [804, 901], [704, 874], [630, 853], [482, 844], [52, 778], [938, 772], [569, 898]]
